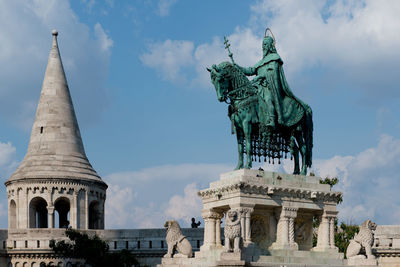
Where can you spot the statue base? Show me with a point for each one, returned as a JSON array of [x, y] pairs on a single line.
[[276, 212], [359, 261]]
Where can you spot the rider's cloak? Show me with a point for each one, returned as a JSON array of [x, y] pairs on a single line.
[[289, 108]]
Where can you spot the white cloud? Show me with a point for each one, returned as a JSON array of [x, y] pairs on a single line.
[[8, 163], [25, 42], [369, 181], [105, 41], [149, 197], [164, 7], [8, 160], [146, 198], [186, 206], [169, 57], [344, 38], [7, 153], [245, 46]]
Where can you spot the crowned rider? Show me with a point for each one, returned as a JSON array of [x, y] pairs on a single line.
[[272, 86]]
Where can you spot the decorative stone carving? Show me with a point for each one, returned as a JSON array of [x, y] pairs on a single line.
[[326, 232], [212, 229], [303, 231], [285, 229], [364, 239], [176, 241], [281, 191], [259, 230], [232, 231]]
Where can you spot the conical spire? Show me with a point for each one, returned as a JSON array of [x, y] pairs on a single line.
[[55, 148]]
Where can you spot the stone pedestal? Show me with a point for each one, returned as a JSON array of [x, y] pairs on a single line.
[[276, 220], [362, 261]]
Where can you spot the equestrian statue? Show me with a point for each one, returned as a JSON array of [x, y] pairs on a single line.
[[268, 119]]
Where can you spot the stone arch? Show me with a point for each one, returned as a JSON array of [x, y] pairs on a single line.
[[17, 264], [60, 264], [13, 214], [25, 264], [34, 264], [94, 215], [62, 206], [38, 217]]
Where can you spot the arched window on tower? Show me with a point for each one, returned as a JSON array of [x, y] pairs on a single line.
[[13, 215], [38, 217], [94, 215], [62, 208]]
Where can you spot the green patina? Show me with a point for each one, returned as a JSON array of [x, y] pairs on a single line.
[[268, 119]]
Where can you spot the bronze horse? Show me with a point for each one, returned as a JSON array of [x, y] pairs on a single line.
[[254, 137]]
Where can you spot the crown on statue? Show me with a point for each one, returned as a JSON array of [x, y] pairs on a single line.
[[270, 39]]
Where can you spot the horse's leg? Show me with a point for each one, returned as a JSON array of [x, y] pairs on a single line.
[[247, 136], [294, 150], [302, 147], [239, 138]]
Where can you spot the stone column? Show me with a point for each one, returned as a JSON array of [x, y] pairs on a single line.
[[285, 229], [210, 230], [17, 209], [50, 212], [74, 210], [27, 208], [323, 234], [86, 209], [218, 231], [326, 232], [242, 213], [292, 243], [247, 235], [332, 232]]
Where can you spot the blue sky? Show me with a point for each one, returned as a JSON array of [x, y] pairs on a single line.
[[149, 117]]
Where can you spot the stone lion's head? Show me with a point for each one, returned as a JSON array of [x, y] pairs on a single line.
[[368, 224], [232, 215], [171, 224]]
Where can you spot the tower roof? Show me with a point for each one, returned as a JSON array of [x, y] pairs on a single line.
[[55, 149]]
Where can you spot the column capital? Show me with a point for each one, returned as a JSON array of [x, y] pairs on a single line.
[[245, 211], [330, 214], [211, 214], [289, 212], [50, 209]]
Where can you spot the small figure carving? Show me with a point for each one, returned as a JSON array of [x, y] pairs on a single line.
[[176, 241], [232, 231], [364, 239]]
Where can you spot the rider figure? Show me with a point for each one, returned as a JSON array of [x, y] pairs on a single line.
[[267, 81]]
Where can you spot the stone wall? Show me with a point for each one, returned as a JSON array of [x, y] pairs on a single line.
[[387, 245], [32, 245]]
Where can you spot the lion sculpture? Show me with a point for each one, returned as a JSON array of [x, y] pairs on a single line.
[[364, 239], [176, 241], [232, 231]]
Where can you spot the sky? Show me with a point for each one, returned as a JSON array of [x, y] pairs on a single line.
[[149, 116]]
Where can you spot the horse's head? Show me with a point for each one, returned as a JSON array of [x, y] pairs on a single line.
[[220, 80]]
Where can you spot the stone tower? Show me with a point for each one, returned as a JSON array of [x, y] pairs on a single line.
[[55, 186]]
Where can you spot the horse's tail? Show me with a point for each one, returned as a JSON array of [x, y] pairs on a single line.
[[308, 135]]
